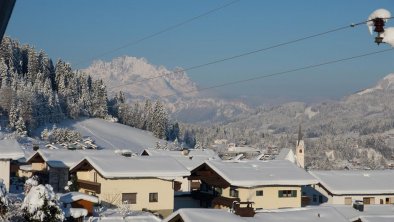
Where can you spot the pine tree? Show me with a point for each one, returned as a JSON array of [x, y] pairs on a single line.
[[20, 127], [13, 115], [189, 139], [147, 116], [159, 120], [74, 183], [3, 201], [172, 131]]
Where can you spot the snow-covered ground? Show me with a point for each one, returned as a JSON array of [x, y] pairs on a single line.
[[110, 135]]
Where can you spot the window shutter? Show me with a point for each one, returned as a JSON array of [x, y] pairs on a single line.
[[294, 193], [280, 193]]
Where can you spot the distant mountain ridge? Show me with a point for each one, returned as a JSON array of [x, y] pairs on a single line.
[[188, 107], [387, 83], [125, 70]]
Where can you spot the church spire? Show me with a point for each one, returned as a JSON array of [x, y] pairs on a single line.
[[300, 149]]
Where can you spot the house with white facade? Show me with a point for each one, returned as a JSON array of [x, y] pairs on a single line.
[[52, 165], [138, 182], [189, 158], [347, 186], [266, 184], [10, 151]]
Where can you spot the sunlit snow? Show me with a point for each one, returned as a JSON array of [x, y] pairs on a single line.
[[388, 36]]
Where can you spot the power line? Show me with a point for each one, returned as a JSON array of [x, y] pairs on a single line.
[[169, 28], [248, 79], [242, 54], [283, 72]]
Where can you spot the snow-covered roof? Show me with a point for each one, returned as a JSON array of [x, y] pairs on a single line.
[[191, 160], [377, 218], [27, 167], [370, 211], [75, 196], [10, 149], [308, 214], [115, 215], [251, 173], [284, 153], [135, 167], [342, 182], [305, 214], [75, 212], [242, 149], [203, 214], [67, 158], [142, 218]]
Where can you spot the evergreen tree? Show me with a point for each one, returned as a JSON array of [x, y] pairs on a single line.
[[74, 183], [147, 116], [172, 131], [189, 139], [159, 120], [3, 201], [20, 127]]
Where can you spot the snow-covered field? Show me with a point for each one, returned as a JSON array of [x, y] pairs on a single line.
[[110, 135]]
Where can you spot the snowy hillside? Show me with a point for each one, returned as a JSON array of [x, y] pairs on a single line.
[[190, 107], [387, 83], [356, 131], [114, 135]]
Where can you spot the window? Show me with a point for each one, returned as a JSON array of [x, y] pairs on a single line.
[[259, 193], [219, 190], [95, 177], [314, 198], [205, 187], [369, 200], [233, 192], [300, 151], [287, 193], [153, 197], [129, 198]]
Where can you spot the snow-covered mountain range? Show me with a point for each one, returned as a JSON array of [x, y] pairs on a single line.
[[137, 78], [130, 74], [387, 83]]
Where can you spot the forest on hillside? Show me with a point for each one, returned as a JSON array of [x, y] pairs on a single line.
[[35, 91]]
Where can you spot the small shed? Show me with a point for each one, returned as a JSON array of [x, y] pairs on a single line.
[[79, 200]]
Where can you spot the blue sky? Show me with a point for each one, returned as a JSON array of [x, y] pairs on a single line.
[[78, 31]]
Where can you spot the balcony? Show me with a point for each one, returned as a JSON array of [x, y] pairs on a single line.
[[204, 196], [224, 201], [89, 185]]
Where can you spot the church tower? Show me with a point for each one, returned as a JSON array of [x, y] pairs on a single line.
[[300, 149]]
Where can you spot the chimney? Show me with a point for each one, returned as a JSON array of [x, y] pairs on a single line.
[[185, 151]]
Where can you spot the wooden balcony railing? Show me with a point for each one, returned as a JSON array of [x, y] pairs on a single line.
[[89, 185]]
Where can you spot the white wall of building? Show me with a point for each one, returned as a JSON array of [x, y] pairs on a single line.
[[341, 199], [5, 173]]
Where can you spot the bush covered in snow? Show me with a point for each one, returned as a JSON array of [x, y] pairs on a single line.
[[61, 135], [40, 203]]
